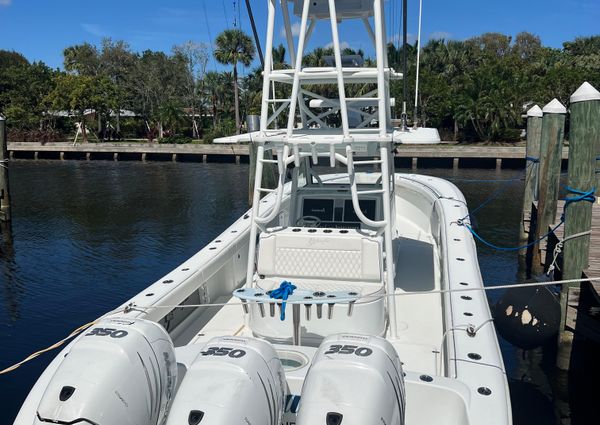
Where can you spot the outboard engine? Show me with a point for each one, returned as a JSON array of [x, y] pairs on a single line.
[[120, 372], [353, 380], [233, 380]]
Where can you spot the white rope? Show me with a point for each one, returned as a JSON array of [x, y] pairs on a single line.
[[470, 329], [558, 249], [377, 297]]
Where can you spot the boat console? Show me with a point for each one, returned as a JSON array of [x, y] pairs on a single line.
[[327, 264]]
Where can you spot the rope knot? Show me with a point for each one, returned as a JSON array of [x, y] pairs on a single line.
[[282, 293], [533, 159], [582, 195]]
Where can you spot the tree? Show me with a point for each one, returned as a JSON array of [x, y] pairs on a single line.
[[117, 63], [196, 57], [23, 86], [78, 93], [234, 46], [82, 59], [158, 79]]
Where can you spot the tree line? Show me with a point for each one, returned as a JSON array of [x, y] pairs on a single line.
[[476, 89]]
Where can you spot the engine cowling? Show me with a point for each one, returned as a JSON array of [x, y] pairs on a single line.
[[120, 372], [232, 381], [353, 380]]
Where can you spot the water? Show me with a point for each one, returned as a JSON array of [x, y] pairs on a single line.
[[89, 235]]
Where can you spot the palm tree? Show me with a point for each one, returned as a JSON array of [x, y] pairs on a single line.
[[235, 46]]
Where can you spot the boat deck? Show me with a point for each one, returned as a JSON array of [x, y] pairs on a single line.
[[420, 324]]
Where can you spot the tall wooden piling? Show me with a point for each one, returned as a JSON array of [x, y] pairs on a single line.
[[583, 141], [4, 186], [534, 136], [553, 128]]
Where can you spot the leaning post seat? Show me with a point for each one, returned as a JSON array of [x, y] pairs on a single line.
[[321, 261]]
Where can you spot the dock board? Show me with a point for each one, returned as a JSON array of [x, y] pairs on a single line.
[[579, 317], [593, 269]]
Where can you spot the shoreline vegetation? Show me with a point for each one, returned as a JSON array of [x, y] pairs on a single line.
[[473, 91]]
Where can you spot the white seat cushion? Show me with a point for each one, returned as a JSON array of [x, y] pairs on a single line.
[[329, 254]]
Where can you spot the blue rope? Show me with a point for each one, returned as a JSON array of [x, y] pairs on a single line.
[[515, 248], [587, 196], [282, 293], [495, 195], [532, 159]]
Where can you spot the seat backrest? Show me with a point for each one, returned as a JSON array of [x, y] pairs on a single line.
[[315, 253]]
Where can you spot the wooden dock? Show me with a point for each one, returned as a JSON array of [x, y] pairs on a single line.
[[583, 305], [446, 155]]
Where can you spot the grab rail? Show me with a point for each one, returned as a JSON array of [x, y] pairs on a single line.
[[354, 192]]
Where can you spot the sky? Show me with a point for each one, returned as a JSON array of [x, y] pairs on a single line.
[[41, 29]]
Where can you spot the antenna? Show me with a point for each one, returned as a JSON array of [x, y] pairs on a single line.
[[255, 32], [415, 120], [404, 66]]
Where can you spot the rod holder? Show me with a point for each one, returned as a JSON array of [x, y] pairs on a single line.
[[272, 309], [296, 323], [245, 307], [307, 308], [261, 308], [319, 311], [330, 310], [351, 308]]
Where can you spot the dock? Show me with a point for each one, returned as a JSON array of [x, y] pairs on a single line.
[[447, 155], [583, 305]]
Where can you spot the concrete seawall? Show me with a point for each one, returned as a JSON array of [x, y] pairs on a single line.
[[407, 156]]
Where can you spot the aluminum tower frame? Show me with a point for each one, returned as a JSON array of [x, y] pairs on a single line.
[[310, 136]]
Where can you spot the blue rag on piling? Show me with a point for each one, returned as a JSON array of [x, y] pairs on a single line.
[[282, 293]]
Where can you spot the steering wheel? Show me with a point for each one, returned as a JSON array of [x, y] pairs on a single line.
[[308, 221]]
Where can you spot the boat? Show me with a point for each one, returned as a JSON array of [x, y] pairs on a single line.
[[348, 293]]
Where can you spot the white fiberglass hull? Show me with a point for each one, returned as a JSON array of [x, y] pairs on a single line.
[[445, 339]]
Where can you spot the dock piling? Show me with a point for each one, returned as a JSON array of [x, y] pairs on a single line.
[[534, 136], [553, 127], [584, 142], [4, 185]]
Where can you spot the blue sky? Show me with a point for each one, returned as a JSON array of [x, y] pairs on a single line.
[[41, 29]]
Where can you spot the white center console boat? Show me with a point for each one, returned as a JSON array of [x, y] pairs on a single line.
[[332, 301]]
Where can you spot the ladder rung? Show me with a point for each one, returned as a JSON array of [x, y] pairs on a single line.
[[369, 192], [374, 161], [268, 161], [262, 189], [279, 100]]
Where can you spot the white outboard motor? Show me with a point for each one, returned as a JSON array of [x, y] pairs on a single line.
[[233, 380], [120, 372], [353, 380]]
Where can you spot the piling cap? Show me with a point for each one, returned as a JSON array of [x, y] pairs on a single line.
[[535, 111], [554, 107], [584, 93]]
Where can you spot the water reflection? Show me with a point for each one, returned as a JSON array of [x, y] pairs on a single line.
[[89, 235]]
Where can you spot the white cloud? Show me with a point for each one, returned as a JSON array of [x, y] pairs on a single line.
[[5, 2], [95, 30], [343, 45], [397, 39], [440, 35], [295, 29]]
